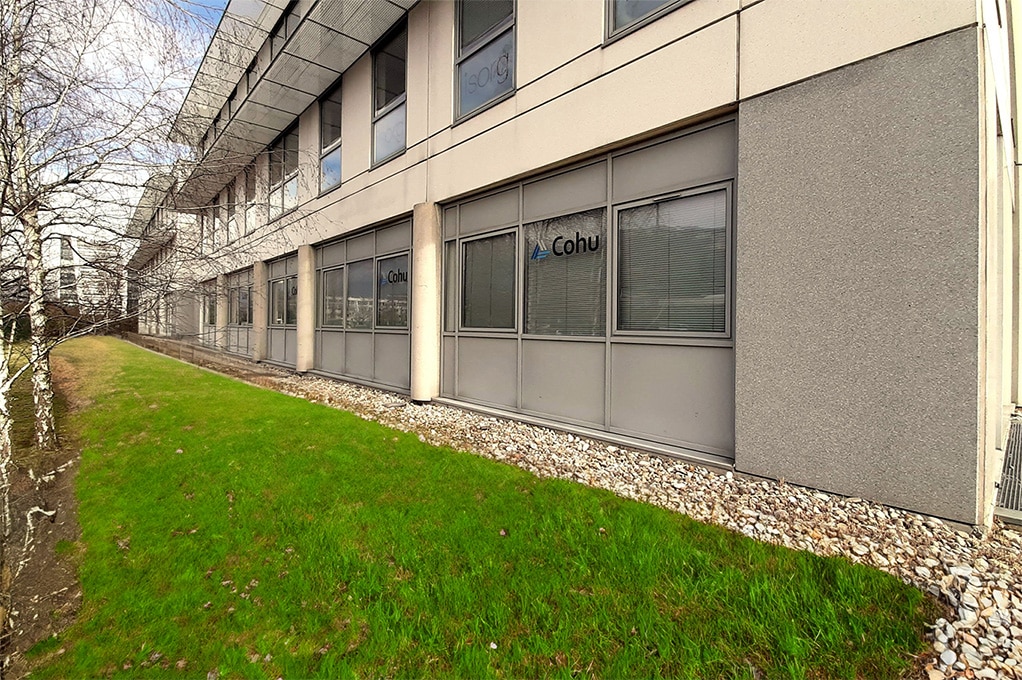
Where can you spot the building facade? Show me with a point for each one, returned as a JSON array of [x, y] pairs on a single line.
[[778, 235]]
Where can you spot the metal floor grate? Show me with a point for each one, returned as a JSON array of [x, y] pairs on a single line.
[[1009, 492]]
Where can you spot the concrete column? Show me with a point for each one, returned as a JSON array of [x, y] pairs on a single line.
[[306, 351], [260, 310], [221, 312], [427, 243]]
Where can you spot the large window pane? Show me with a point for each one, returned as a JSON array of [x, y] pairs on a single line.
[[245, 305], [330, 170], [290, 194], [673, 265], [277, 303], [488, 283], [232, 306], [332, 304], [330, 120], [450, 285], [392, 292], [292, 301], [360, 295], [479, 16], [488, 73], [628, 11], [389, 134], [389, 65], [565, 275]]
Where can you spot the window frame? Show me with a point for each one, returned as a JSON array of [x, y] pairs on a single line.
[[321, 297], [270, 323], [286, 178], [463, 54], [614, 270], [249, 175], [611, 33], [334, 146], [394, 104], [514, 230]]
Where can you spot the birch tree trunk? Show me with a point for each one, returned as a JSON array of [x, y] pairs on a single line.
[[28, 217], [42, 381]]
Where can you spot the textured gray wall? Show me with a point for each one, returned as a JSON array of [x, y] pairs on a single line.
[[857, 300]]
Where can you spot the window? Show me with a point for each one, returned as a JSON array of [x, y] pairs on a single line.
[[284, 301], [359, 312], [218, 225], [239, 304], [210, 305], [672, 267], [232, 220], [626, 13], [392, 292], [565, 275], [389, 64], [330, 140], [486, 52], [284, 174], [488, 283], [332, 287], [250, 199]]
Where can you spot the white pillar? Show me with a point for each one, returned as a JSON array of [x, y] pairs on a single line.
[[426, 304], [221, 313], [305, 356], [260, 311]]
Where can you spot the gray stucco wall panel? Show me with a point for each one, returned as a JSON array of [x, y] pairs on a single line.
[[857, 280]]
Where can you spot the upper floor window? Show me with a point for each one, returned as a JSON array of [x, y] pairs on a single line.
[[232, 218], [389, 66], [250, 199], [486, 52], [284, 174], [626, 13], [330, 140]]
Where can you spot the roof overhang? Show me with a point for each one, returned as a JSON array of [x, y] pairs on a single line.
[[329, 37]]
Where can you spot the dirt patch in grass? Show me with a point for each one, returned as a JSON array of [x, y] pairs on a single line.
[[46, 594]]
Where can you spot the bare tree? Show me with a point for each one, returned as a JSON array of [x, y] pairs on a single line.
[[88, 91]]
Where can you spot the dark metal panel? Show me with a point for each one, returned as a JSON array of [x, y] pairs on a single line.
[[361, 247], [447, 360], [497, 210], [451, 222], [391, 359], [564, 379], [275, 351], [290, 346], [398, 237], [358, 355], [330, 356], [678, 394], [332, 254], [568, 192], [487, 370], [699, 158]]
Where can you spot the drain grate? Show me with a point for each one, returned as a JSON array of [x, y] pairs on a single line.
[[1009, 493]]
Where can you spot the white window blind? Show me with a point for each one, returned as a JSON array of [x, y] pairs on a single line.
[[673, 265], [565, 275]]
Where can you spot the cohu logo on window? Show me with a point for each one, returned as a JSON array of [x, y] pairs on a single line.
[[565, 245], [394, 276]]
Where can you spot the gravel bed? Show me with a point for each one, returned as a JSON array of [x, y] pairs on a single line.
[[978, 577]]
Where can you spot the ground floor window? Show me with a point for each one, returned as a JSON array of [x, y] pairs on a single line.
[[284, 301], [601, 295], [363, 306]]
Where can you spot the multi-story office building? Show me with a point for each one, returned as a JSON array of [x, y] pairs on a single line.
[[775, 234]]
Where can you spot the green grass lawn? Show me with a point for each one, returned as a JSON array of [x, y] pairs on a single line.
[[232, 528]]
